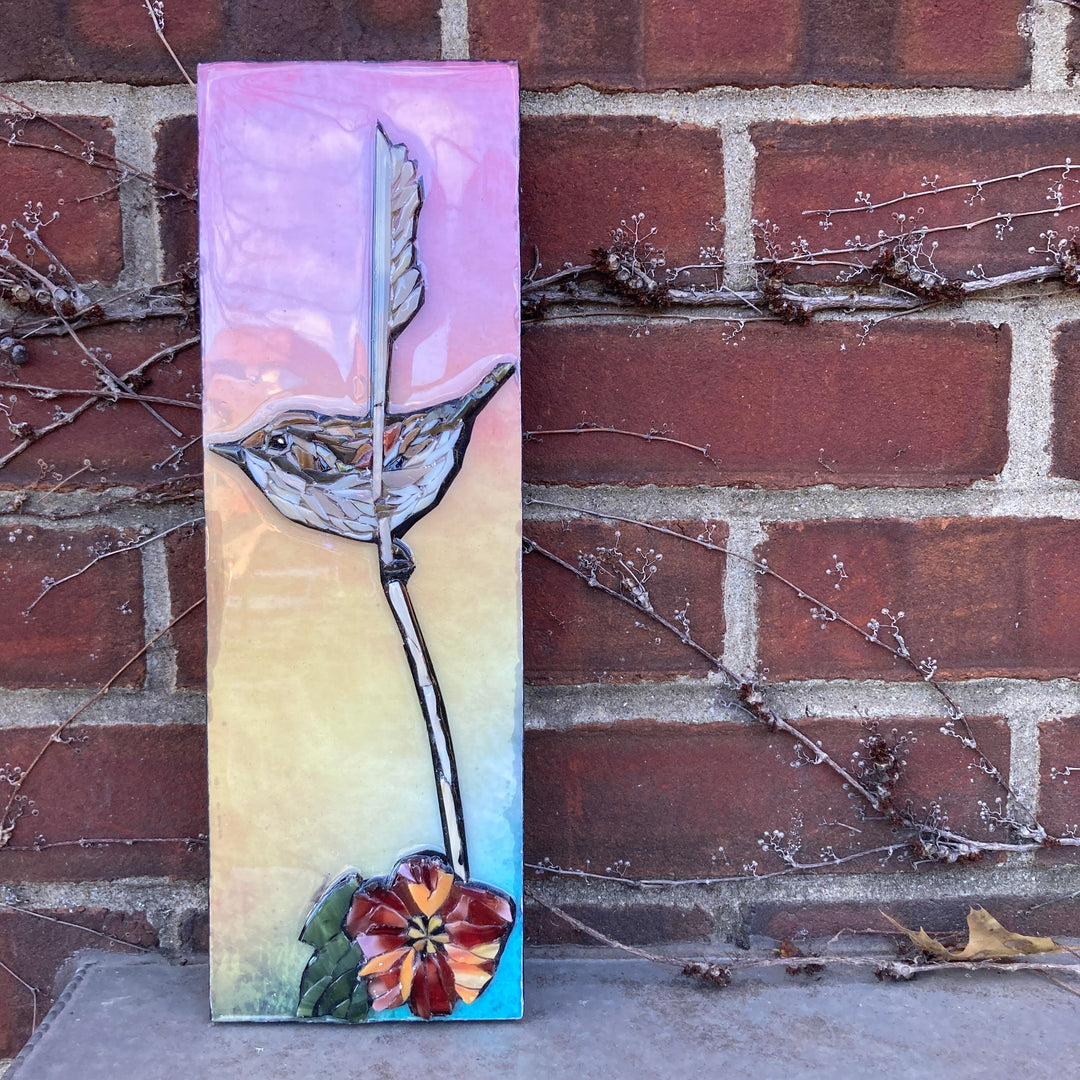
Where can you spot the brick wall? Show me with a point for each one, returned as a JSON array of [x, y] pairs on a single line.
[[936, 457]]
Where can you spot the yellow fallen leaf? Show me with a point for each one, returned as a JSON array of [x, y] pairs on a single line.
[[987, 940]]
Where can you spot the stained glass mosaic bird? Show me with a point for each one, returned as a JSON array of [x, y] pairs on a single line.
[[317, 469]]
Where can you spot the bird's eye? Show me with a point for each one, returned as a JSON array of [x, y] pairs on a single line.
[[277, 442]]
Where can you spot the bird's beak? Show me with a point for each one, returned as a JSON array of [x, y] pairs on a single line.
[[231, 451]]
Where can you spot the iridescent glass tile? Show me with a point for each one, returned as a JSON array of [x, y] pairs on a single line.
[[359, 260]]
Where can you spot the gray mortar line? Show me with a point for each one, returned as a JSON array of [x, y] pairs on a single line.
[[1056, 301], [119, 707], [1049, 23], [559, 708], [701, 701], [1031, 407], [454, 20], [1024, 768], [740, 598], [952, 883], [129, 516], [1049, 498], [135, 144], [150, 104], [711, 107], [800, 104], [165, 902], [157, 614], [740, 158]]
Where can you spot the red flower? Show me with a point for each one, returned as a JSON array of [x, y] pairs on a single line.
[[428, 938]]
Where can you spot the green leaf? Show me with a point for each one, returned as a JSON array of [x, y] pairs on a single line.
[[310, 995], [342, 984], [320, 971], [328, 915], [329, 985], [358, 1008]]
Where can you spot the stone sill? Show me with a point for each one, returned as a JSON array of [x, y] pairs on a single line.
[[140, 1017]]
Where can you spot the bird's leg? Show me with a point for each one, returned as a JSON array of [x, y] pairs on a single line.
[[401, 566], [395, 573]]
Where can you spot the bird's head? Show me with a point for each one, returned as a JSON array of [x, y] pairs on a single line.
[[305, 445]]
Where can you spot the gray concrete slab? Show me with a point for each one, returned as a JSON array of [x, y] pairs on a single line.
[[140, 1018]]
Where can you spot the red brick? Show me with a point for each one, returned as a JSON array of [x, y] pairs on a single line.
[[187, 584], [560, 42], [633, 924], [123, 441], [653, 799], [581, 177], [337, 30], [688, 44], [1059, 797], [1073, 43], [915, 404], [576, 634], [1066, 439], [960, 43], [984, 596], [34, 946], [1023, 915], [82, 631], [86, 236], [824, 166], [35, 41], [114, 40], [177, 163], [108, 783]]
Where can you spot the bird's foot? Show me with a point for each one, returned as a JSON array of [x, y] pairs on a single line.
[[401, 566]]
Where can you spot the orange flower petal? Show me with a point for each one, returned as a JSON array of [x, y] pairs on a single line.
[[383, 962], [407, 974], [427, 902], [463, 956], [469, 977], [467, 995]]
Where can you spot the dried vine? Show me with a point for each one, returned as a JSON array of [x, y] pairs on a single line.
[[893, 274]]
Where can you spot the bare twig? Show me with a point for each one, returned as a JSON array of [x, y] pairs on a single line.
[[930, 190], [749, 699], [74, 925], [109, 841], [74, 413], [565, 274], [47, 393], [117, 382], [577, 924], [832, 615], [90, 155], [157, 15], [647, 436], [7, 822], [895, 968], [108, 554], [887, 851], [33, 992]]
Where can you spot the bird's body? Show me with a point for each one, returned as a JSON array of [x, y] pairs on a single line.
[[316, 469]]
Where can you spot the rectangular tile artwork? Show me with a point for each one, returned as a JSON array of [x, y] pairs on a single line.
[[359, 261]]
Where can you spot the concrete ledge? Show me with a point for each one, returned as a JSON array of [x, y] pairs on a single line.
[[140, 1018]]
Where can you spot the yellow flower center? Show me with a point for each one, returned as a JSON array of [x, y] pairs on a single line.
[[427, 934]]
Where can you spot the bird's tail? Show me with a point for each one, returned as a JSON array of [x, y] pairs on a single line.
[[466, 406]]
